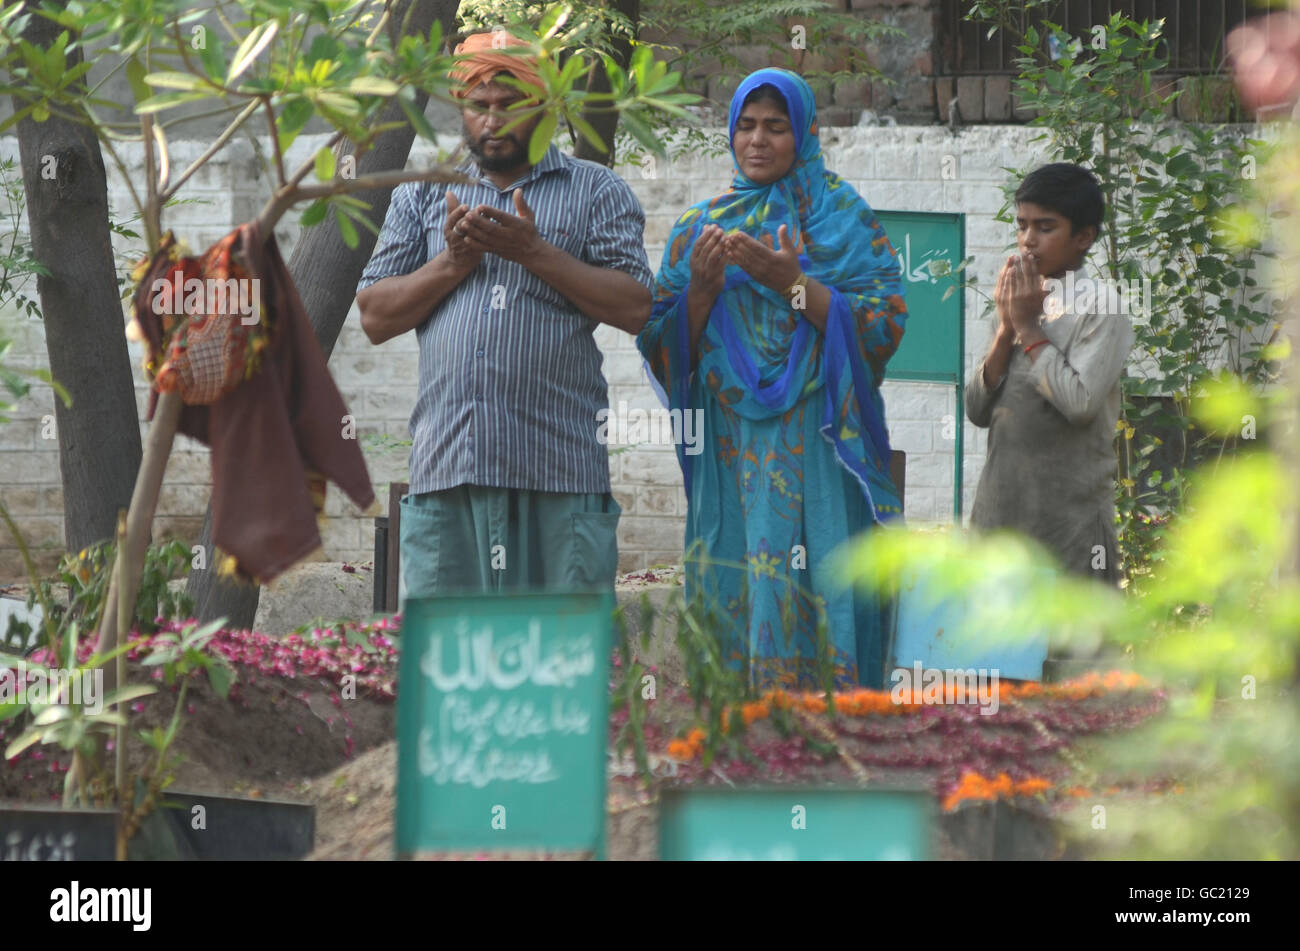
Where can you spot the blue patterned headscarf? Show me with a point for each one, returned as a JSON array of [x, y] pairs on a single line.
[[758, 355]]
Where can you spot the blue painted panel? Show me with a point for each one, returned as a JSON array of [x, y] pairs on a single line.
[[940, 633]]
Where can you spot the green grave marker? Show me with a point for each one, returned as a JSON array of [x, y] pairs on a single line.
[[502, 721], [934, 340], [778, 823]]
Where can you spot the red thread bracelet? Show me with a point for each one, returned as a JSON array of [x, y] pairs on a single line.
[[1030, 349]]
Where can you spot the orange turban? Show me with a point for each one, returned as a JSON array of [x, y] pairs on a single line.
[[486, 59]]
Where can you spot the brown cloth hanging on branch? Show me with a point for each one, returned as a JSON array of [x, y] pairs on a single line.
[[256, 391]]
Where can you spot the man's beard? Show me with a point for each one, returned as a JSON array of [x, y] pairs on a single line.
[[499, 161]]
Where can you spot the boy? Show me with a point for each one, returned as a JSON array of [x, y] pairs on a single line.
[[1049, 388]]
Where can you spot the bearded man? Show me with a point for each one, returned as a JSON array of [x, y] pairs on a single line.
[[504, 282]]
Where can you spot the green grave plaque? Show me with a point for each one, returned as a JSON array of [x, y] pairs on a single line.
[[502, 720], [934, 340], [775, 823]]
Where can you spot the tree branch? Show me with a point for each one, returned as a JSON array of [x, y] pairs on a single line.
[[283, 200], [275, 140], [214, 148], [152, 206]]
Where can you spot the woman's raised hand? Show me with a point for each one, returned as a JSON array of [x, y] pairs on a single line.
[[776, 268], [709, 263]]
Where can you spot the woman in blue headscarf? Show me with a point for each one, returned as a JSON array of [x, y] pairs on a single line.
[[776, 307]]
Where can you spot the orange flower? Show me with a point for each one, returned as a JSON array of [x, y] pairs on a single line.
[[974, 786], [1032, 786], [680, 749], [758, 710], [779, 698]]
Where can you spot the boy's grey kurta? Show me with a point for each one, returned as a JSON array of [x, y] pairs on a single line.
[[510, 384], [1050, 469]]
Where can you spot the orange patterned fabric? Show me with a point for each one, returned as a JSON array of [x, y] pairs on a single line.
[[199, 343], [277, 424]]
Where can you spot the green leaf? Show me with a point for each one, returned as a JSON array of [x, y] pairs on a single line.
[[111, 719], [642, 132], [54, 713], [221, 676], [99, 660], [372, 86], [555, 18], [166, 101], [418, 122], [323, 47], [135, 76], [131, 692], [541, 138], [293, 116], [174, 80], [575, 65], [314, 214], [1181, 165], [30, 738], [588, 133], [70, 644], [345, 105], [325, 163], [347, 229], [212, 56], [253, 44], [190, 638], [640, 62]]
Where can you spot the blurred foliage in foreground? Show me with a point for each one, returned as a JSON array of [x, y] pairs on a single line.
[[1219, 625]]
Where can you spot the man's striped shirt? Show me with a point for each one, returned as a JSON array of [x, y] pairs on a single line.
[[510, 380]]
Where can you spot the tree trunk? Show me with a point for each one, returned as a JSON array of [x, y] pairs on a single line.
[[326, 272], [67, 210], [606, 122]]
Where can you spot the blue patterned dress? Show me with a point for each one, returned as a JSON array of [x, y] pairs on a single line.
[[795, 452]]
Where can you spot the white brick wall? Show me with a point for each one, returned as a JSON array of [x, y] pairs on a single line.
[[897, 168]]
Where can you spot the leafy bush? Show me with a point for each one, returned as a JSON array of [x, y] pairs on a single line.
[[85, 577]]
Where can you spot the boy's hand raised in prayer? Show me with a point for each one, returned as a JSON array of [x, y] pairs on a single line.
[[769, 266], [1019, 297], [459, 250], [513, 237]]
